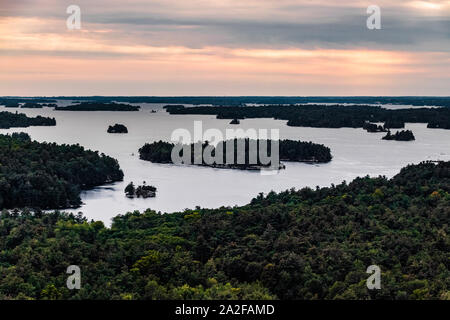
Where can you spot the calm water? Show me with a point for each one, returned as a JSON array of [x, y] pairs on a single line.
[[355, 152]]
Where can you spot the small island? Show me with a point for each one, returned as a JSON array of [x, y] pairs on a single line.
[[404, 135], [143, 191], [372, 127], [11, 105], [99, 106], [31, 105], [117, 128], [20, 120], [235, 121]]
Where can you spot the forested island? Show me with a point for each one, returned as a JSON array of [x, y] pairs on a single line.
[[117, 128], [99, 106], [326, 116], [20, 120], [372, 127], [47, 175], [144, 191], [32, 105], [297, 244], [289, 150], [404, 135], [11, 105]]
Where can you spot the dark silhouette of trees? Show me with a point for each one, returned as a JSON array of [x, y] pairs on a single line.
[[143, 191], [327, 116], [99, 106], [404, 135], [20, 120], [117, 128], [372, 127]]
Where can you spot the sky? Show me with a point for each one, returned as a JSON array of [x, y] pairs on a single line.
[[224, 47]]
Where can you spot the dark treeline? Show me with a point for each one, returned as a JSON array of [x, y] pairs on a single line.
[[404, 135], [330, 116], [99, 106], [17, 100], [47, 175], [372, 127], [297, 244], [160, 152], [241, 100], [20, 120]]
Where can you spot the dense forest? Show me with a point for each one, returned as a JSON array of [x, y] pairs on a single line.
[[327, 116], [99, 106], [47, 175], [404, 135], [20, 120], [297, 244], [289, 150]]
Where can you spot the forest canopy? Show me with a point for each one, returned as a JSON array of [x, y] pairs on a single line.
[[47, 175], [296, 244]]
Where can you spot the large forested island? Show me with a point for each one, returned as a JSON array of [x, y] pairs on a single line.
[[327, 116], [47, 175], [160, 152], [305, 244], [20, 120], [99, 106]]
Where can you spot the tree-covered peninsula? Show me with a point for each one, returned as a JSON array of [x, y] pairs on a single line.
[[20, 120], [47, 175], [289, 150], [326, 116], [99, 106], [297, 244]]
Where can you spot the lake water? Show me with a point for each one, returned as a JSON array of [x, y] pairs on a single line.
[[355, 153]]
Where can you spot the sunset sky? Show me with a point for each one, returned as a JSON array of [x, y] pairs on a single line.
[[226, 47]]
